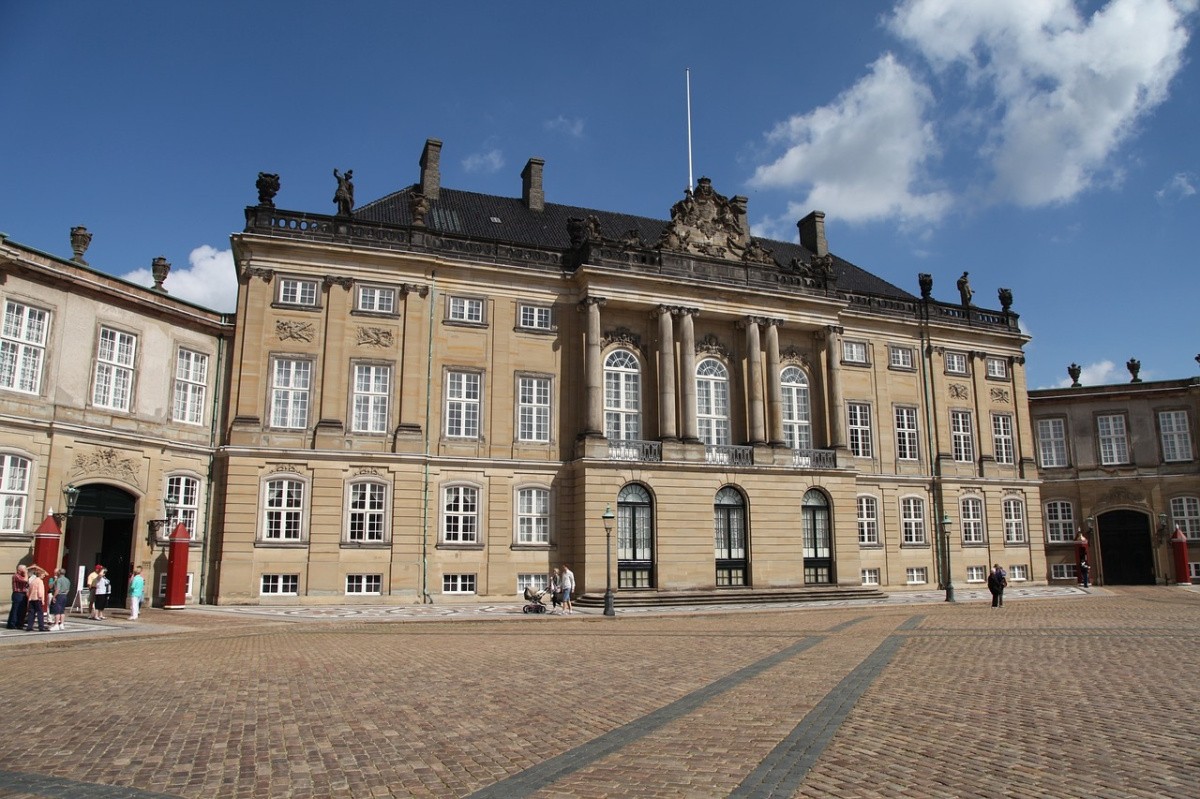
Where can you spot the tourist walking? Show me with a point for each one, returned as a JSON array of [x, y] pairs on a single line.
[[137, 590], [101, 588], [20, 587], [60, 595], [1085, 572], [568, 586], [37, 600], [91, 586], [997, 581]]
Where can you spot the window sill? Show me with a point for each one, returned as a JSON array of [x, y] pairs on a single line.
[[366, 545], [261, 544], [457, 546]]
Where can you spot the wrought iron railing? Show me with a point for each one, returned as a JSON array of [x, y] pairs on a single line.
[[814, 458], [728, 455], [635, 450]]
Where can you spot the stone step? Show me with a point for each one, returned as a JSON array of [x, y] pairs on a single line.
[[726, 596]]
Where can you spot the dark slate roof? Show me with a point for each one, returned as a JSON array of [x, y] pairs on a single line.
[[507, 219]]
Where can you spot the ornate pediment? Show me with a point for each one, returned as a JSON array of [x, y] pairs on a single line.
[[707, 223]]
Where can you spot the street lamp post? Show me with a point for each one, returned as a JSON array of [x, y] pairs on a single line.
[[608, 517], [946, 558]]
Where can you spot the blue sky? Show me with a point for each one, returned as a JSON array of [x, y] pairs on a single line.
[[1047, 146]]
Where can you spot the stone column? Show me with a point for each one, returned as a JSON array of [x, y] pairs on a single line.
[[687, 376], [667, 430], [758, 432], [833, 377], [594, 370], [774, 387]]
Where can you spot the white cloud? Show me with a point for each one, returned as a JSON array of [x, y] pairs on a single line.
[[1065, 92], [489, 161], [209, 280], [572, 126], [863, 156], [1181, 185], [1094, 374]]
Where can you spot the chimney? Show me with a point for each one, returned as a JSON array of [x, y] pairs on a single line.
[[431, 175], [812, 233], [531, 185]]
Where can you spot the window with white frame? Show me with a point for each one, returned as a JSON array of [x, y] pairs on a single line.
[[1176, 437], [971, 515], [622, 396], [956, 363], [376, 299], [367, 520], [466, 309], [912, 520], [458, 583], [869, 576], [533, 408], [462, 404], [162, 585], [1014, 521], [115, 353], [906, 434], [291, 379], [460, 514], [1063, 571], [962, 440], [1114, 446], [538, 581], [900, 357], [535, 317], [712, 402], [868, 521], [1185, 513], [372, 389], [1002, 437], [284, 510], [1194, 570], [183, 492], [279, 585], [293, 291], [1018, 573], [916, 575], [364, 584], [533, 516], [859, 429], [1052, 443], [1060, 522], [23, 347], [797, 421], [191, 386], [854, 351], [976, 574], [14, 493], [997, 367]]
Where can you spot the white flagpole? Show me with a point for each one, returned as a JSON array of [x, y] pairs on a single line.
[[688, 74]]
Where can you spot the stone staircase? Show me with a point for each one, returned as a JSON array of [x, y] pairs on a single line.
[[729, 596]]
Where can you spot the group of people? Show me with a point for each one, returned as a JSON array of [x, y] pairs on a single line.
[[562, 587], [34, 598]]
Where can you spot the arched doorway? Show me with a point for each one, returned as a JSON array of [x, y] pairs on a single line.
[[729, 537], [1126, 551], [635, 539], [818, 539], [101, 531]]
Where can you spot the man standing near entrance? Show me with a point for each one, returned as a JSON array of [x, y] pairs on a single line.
[[997, 581]]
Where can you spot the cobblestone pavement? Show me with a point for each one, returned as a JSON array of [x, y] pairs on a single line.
[[1061, 693]]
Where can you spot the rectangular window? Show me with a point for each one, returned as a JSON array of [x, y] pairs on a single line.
[[284, 510], [1114, 447], [1002, 437], [1185, 513], [963, 443], [360, 584], [1018, 574], [956, 363], [462, 404], [162, 585], [859, 429], [916, 575], [971, 514], [976, 574], [535, 317], [1060, 522], [869, 576], [912, 520], [23, 347], [458, 583], [1176, 437], [460, 515], [280, 584], [1194, 570], [537, 581], [997, 367], [868, 521], [14, 493], [533, 402], [1014, 521], [466, 309], [376, 299], [368, 512], [289, 393], [191, 385], [297, 292], [906, 434], [854, 351], [372, 388], [1052, 443], [1063, 571], [183, 493], [533, 516], [114, 369], [900, 357]]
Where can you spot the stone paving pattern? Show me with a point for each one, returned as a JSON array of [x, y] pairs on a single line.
[[1075, 695]]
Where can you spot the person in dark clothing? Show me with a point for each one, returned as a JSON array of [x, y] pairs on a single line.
[[997, 581]]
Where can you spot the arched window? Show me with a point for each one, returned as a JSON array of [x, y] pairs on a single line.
[[712, 402], [367, 519], [635, 538], [622, 396], [818, 538], [797, 424], [729, 546]]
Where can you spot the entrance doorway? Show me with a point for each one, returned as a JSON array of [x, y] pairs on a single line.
[[1126, 551], [101, 531]]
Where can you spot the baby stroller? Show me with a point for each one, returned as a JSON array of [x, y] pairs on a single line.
[[533, 600]]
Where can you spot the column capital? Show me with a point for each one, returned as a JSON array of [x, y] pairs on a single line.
[[679, 310], [590, 300]]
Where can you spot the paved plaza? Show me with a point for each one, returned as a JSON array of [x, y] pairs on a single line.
[[1061, 693]]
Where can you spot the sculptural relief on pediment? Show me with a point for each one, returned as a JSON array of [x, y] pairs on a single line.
[[707, 223]]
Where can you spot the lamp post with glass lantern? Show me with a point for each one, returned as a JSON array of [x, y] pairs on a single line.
[[608, 517], [946, 557]]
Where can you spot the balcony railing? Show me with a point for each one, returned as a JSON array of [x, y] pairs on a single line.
[[728, 455], [634, 450], [814, 459]]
